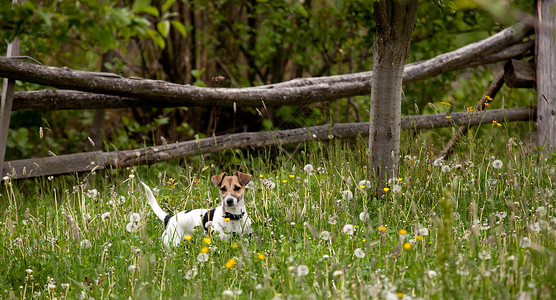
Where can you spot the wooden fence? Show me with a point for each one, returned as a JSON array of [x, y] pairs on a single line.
[[93, 90]]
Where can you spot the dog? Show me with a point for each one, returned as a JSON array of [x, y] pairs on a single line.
[[225, 220]]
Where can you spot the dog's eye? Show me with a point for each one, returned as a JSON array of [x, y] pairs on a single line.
[[237, 188], [223, 188]]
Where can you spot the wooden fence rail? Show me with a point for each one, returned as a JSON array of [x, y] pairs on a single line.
[[499, 47], [88, 161]]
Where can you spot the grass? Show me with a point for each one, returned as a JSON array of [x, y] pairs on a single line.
[[471, 228]]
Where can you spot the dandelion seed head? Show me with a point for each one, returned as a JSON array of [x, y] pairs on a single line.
[[497, 164], [85, 244], [348, 229], [484, 255], [202, 257], [132, 269], [363, 216], [227, 294], [325, 235], [347, 195], [302, 270], [358, 252]]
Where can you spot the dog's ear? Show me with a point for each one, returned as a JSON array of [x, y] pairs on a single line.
[[217, 179], [243, 178]]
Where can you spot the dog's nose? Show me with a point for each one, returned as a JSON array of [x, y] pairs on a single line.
[[230, 202]]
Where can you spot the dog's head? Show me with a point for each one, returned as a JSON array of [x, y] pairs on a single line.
[[232, 188]]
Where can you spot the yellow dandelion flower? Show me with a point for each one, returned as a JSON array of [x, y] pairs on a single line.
[[400, 179], [226, 219], [487, 104], [498, 124], [419, 237], [400, 295], [488, 97], [206, 240], [382, 228], [292, 176], [448, 117], [234, 246], [402, 231], [261, 176], [284, 181], [361, 186], [407, 246], [187, 237], [230, 263], [261, 256], [386, 189], [205, 249]]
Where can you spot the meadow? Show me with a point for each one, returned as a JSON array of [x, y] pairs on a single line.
[[479, 226]]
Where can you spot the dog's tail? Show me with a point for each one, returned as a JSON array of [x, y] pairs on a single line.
[[154, 205]]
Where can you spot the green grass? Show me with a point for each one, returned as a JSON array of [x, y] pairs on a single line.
[[465, 230]]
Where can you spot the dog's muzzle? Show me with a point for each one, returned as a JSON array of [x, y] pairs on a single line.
[[230, 201]]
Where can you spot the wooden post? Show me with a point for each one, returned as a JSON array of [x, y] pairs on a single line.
[[546, 73], [7, 99]]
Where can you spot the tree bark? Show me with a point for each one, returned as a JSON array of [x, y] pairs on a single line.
[[546, 74], [395, 23], [88, 161]]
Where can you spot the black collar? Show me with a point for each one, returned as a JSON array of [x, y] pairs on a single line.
[[233, 216]]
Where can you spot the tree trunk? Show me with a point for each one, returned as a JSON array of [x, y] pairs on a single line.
[[395, 23], [546, 74]]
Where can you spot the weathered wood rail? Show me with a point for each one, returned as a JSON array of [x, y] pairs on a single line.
[[97, 160]]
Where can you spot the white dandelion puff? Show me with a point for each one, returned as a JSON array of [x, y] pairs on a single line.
[[363, 216], [202, 257], [497, 164], [325, 235], [424, 231], [85, 244], [359, 253], [348, 229], [364, 184], [302, 270], [484, 255], [92, 193], [191, 273], [525, 242], [308, 168], [105, 216], [227, 294], [132, 269], [347, 195], [135, 218]]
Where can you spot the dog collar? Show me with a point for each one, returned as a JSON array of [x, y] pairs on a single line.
[[233, 216]]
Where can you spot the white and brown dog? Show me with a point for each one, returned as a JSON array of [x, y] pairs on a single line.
[[227, 219]]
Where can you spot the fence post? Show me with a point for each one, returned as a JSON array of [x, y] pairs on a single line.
[[545, 57], [7, 99]]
